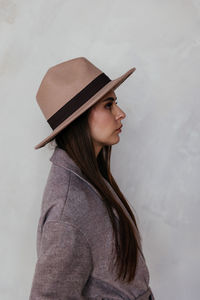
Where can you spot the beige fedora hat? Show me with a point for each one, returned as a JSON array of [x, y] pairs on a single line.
[[70, 88]]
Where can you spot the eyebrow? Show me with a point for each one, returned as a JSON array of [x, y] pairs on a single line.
[[110, 98]]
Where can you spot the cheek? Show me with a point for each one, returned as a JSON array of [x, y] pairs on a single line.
[[99, 122]]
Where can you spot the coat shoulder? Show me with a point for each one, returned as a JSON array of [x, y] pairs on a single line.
[[70, 197]]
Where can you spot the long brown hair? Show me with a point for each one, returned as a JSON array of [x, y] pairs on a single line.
[[76, 140]]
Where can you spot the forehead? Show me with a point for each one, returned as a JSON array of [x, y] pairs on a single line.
[[108, 95]]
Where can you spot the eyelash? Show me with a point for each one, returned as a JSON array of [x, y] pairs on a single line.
[[107, 105]]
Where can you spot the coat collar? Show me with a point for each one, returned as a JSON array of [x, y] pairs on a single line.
[[62, 159]]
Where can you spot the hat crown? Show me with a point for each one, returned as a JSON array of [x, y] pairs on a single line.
[[62, 82]]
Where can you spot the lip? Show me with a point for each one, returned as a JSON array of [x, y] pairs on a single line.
[[119, 129]]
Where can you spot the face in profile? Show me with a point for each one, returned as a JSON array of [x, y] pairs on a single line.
[[104, 121]]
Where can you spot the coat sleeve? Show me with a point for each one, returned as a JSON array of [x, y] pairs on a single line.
[[64, 263]]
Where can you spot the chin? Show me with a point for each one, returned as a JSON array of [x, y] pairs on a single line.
[[115, 141]]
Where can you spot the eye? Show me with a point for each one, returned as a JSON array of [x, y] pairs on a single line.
[[109, 104]]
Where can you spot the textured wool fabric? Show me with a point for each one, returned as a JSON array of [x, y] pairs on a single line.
[[75, 240]]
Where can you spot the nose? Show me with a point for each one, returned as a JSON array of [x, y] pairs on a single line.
[[120, 114]]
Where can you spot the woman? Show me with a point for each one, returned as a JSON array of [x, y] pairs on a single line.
[[88, 243]]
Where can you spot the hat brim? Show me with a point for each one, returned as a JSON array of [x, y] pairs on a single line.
[[113, 84]]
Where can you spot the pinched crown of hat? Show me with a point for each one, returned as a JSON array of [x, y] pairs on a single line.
[[70, 88]]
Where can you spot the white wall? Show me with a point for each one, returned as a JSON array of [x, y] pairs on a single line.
[[156, 163]]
